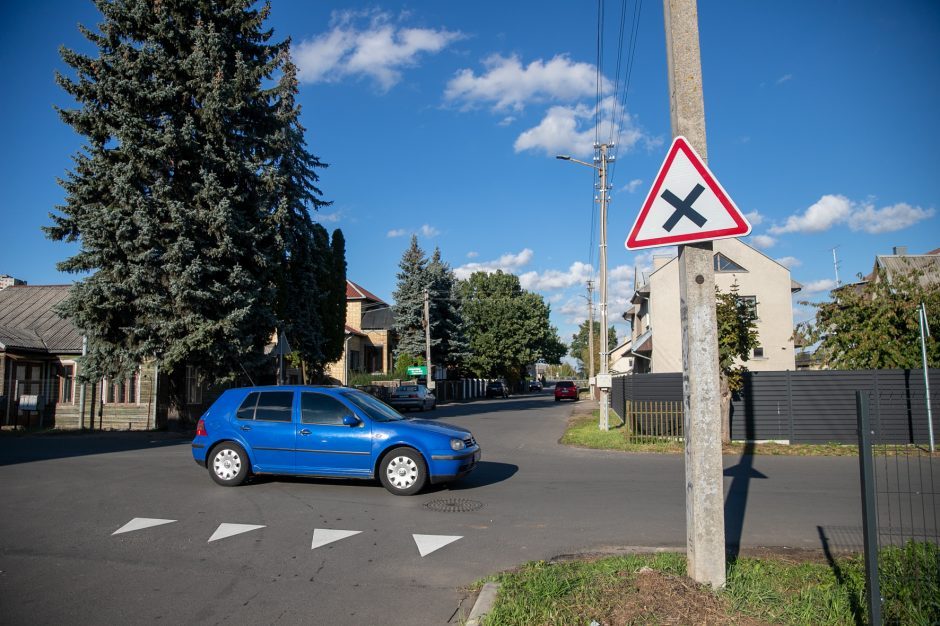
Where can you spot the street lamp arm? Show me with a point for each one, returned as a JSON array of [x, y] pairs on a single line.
[[565, 157]]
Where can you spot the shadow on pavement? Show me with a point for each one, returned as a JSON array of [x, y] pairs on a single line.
[[28, 448], [486, 473], [742, 473]]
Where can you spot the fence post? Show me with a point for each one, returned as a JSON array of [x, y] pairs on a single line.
[[869, 508]]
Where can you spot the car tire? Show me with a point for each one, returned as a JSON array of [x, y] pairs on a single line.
[[403, 471], [228, 464]]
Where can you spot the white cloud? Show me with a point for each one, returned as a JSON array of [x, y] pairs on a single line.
[[472, 254], [396, 232], [755, 218], [789, 262], [330, 218], [785, 78], [506, 121], [427, 230], [570, 129], [508, 263], [378, 49], [887, 219], [819, 286], [828, 211], [763, 241], [554, 279], [831, 210], [633, 185], [508, 85]]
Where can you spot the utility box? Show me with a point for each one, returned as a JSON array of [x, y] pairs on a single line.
[[604, 381]]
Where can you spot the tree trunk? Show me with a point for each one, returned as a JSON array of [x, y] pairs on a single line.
[[725, 391]]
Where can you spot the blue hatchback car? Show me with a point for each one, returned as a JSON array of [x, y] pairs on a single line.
[[332, 432]]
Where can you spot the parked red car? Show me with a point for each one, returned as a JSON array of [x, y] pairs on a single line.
[[566, 389]]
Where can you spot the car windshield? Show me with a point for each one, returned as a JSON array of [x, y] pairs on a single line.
[[371, 406]]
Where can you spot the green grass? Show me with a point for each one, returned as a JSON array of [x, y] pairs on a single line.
[[583, 431], [774, 590]]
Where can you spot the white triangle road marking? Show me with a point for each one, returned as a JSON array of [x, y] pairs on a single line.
[[225, 531], [430, 543], [323, 536], [139, 523]]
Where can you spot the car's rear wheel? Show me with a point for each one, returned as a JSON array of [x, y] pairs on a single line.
[[403, 472], [228, 464]]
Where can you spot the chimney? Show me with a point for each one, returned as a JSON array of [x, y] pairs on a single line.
[[900, 250]]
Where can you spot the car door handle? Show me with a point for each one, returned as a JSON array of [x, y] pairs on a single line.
[[305, 432], [246, 427]]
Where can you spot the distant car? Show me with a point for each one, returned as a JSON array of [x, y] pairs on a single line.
[[535, 385], [413, 397], [566, 389], [333, 432], [496, 389]]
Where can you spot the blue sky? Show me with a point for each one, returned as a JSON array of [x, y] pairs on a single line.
[[442, 119]]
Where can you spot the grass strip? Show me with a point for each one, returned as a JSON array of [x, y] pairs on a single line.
[[653, 588]]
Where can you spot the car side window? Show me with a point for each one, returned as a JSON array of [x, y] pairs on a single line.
[[247, 410], [275, 406], [317, 408]]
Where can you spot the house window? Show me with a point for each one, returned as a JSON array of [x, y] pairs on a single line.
[[759, 352], [193, 385], [724, 264], [67, 383], [751, 302], [355, 362], [121, 391]]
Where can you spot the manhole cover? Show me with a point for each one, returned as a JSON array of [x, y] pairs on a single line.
[[453, 505]]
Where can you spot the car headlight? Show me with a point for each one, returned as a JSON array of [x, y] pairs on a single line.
[[457, 444]]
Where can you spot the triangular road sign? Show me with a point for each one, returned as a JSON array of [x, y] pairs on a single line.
[[685, 204], [431, 543]]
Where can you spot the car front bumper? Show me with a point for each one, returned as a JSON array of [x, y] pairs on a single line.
[[447, 467]]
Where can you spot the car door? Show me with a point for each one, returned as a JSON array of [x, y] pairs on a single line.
[[325, 445], [265, 421]]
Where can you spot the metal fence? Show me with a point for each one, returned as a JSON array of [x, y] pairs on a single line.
[[806, 406], [901, 511], [652, 421]]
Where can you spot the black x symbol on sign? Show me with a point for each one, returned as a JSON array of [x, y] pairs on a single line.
[[684, 207]]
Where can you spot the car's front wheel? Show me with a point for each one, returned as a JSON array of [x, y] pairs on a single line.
[[403, 472], [228, 464]]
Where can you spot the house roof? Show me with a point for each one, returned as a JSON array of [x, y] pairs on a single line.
[[28, 321], [928, 265], [356, 292], [352, 331]]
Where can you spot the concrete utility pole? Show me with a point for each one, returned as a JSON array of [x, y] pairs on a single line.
[[427, 335], [590, 288], [603, 379], [704, 495]]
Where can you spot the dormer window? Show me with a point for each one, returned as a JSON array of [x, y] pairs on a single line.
[[724, 264]]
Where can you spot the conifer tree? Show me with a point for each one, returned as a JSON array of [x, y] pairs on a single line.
[[408, 310], [448, 342], [184, 195]]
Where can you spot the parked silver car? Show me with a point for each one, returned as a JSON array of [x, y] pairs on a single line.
[[413, 397]]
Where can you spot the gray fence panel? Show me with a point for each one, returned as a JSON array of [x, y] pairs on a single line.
[[808, 406]]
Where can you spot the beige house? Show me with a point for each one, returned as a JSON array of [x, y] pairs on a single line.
[[369, 336], [654, 316]]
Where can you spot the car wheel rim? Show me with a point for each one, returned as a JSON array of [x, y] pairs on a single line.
[[226, 464], [402, 472]]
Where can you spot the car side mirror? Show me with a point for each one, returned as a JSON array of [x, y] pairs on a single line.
[[350, 420]]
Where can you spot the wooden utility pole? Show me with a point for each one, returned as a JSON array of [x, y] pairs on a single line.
[[704, 503]]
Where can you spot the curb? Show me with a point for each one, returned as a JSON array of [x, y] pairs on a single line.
[[484, 603]]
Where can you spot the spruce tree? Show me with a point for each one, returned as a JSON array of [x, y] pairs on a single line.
[[179, 194], [448, 343], [408, 310], [334, 310]]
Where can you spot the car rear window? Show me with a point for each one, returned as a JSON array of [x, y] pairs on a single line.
[[408, 389], [566, 383], [275, 406]]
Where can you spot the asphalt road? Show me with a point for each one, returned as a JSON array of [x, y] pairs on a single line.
[[63, 497]]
